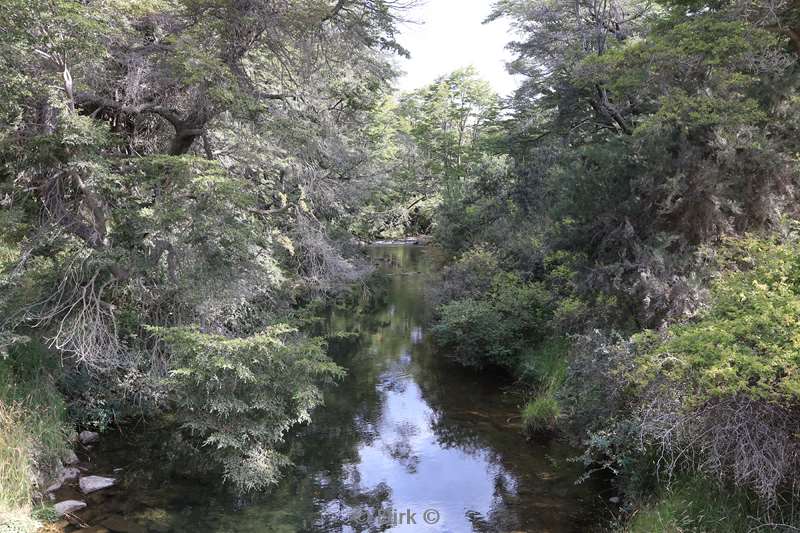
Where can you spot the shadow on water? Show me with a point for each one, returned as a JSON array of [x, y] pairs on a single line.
[[406, 430]]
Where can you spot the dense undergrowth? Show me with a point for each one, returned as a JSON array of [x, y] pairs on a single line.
[[634, 263], [696, 420]]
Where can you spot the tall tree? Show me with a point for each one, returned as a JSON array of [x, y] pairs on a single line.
[[171, 170]]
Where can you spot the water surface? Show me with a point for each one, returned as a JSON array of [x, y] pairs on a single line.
[[406, 431]]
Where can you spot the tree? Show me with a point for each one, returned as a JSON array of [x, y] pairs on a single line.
[[178, 166], [453, 122]]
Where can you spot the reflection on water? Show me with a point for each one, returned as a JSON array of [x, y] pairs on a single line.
[[405, 431]]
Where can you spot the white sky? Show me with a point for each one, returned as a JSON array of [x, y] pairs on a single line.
[[452, 35]]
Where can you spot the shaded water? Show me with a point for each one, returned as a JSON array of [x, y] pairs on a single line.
[[405, 431]]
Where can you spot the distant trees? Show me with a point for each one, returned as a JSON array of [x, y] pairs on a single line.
[[453, 121], [442, 136]]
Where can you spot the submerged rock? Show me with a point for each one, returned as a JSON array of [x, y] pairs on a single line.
[[89, 437], [90, 484], [69, 506]]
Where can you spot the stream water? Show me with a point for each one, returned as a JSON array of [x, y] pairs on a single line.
[[408, 441]]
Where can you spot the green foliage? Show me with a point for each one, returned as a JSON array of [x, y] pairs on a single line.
[[494, 329], [540, 414], [186, 162], [453, 121], [695, 504], [638, 138], [33, 427], [237, 397], [546, 365], [470, 275], [437, 141], [746, 341], [44, 513], [544, 369]]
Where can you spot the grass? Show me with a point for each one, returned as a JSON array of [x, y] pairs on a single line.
[[546, 368], [694, 504], [33, 431], [540, 414]]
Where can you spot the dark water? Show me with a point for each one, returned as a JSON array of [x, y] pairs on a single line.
[[405, 432]]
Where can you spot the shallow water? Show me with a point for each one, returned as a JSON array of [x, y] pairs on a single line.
[[407, 436]]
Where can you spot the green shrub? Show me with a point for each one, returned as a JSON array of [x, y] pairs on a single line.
[[494, 329], [718, 394], [473, 332], [44, 513], [746, 342], [237, 397], [470, 276]]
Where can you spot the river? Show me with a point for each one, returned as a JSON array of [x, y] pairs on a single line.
[[407, 441]]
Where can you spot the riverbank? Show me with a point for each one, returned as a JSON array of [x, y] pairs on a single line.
[[406, 429]]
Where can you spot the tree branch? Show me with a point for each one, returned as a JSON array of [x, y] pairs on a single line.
[[170, 115]]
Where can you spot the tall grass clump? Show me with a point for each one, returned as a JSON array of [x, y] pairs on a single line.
[[33, 431], [546, 369]]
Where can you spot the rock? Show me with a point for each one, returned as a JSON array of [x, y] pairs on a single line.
[[614, 499], [54, 487], [68, 506], [92, 483], [89, 437], [70, 458], [69, 473]]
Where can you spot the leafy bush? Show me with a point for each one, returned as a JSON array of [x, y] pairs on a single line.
[[469, 276], [239, 396], [746, 342], [494, 329], [719, 394], [473, 332]]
